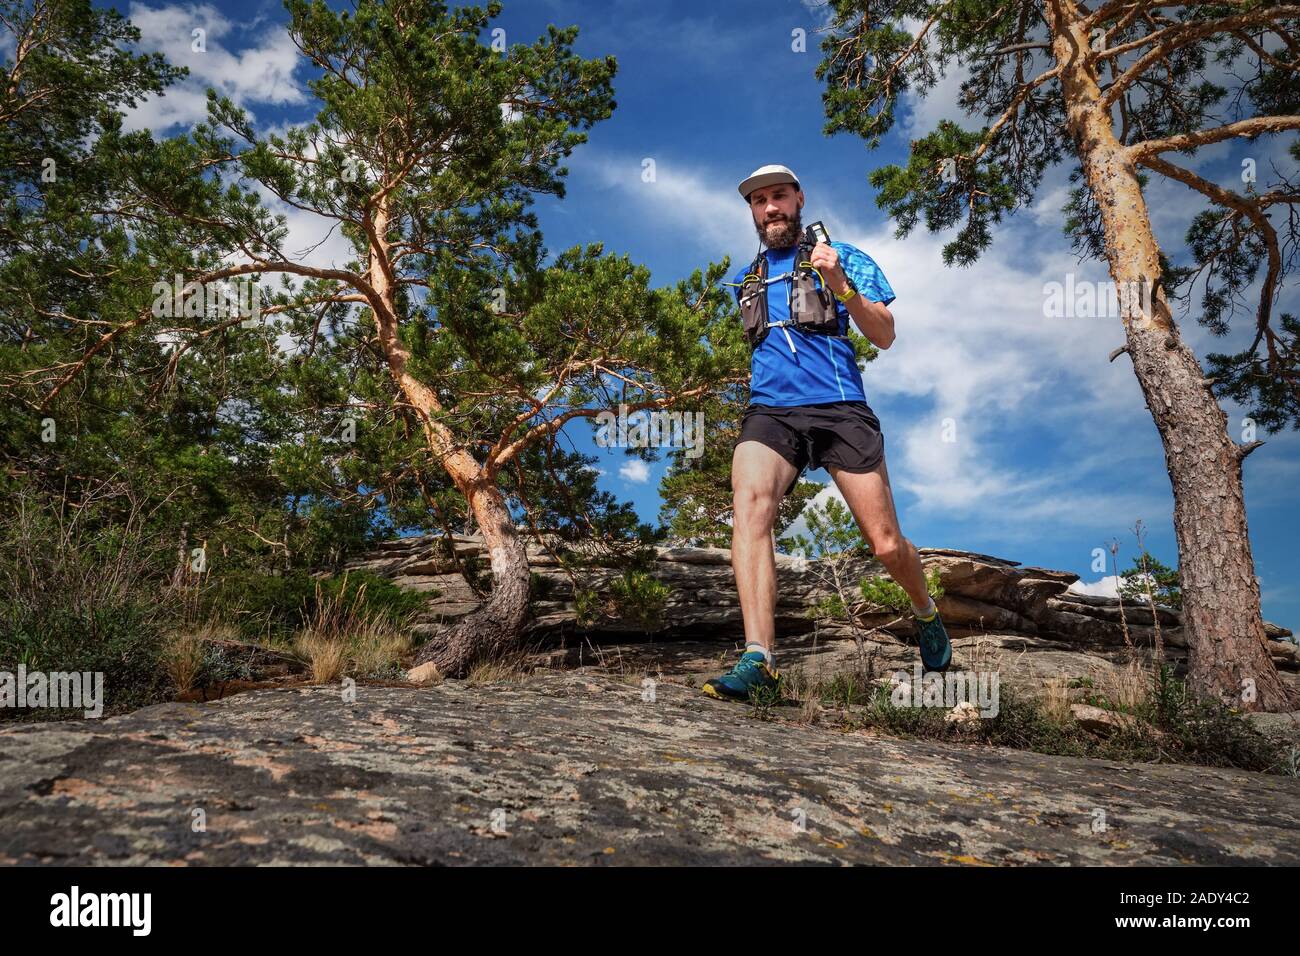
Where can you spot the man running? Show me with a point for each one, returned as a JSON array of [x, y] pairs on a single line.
[[808, 410]]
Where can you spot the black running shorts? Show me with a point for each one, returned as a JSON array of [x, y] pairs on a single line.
[[844, 434]]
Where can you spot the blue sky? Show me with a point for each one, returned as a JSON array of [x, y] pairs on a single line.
[[1055, 451]]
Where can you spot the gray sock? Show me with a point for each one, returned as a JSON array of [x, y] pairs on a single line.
[[767, 655], [926, 611]]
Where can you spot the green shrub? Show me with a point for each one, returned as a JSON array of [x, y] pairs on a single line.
[[587, 605], [640, 599], [1203, 730], [77, 597], [884, 593], [847, 688], [121, 640], [635, 598], [1171, 725], [540, 587], [273, 607]]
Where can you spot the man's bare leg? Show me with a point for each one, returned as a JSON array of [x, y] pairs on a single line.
[[759, 477], [869, 497]]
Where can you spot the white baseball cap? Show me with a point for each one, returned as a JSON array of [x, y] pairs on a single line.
[[767, 176]]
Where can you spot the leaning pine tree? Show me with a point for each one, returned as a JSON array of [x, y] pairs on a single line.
[[1120, 85], [424, 154]]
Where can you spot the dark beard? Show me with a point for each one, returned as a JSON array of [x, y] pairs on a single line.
[[784, 237]]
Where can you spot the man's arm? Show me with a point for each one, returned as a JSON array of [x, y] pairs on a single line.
[[873, 318]]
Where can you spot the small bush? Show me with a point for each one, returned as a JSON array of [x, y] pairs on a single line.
[[762, 700], [1165, 722], [640, 598], [587, 606], [80, 596], [636, 598], [884, 593], [845, 689], [540, 587], [1205, 731], [274, 607]]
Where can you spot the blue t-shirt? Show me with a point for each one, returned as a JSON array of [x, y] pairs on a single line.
[[793, 367]]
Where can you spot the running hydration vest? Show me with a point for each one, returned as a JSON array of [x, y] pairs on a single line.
[[812, 305]]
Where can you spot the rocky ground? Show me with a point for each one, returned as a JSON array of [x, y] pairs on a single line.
[[577, 768], [581, 763]]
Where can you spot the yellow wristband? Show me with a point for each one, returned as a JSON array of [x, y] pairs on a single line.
[[849, 293]]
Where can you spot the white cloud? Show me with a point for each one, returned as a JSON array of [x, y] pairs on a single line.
[[920, 114], [635, 470], [1104, 587], [820, 10], [261, 71], [976, 362], [711, 215]]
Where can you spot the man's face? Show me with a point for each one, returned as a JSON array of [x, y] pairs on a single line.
[[777, 214]]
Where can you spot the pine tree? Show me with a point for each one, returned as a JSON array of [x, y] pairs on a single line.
[[1117, 87], [448, 326], [1149, 570], [180, 419]]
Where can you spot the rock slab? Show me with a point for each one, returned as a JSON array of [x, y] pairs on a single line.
[[577, 768]]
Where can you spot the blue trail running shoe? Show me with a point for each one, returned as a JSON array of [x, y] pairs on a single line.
[[751, 673], [936, 649]]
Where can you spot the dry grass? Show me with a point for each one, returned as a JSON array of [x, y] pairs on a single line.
[[1056, 700], [1124, 688], [342, 636], [819, 695], [182, 659], [810, 710], [377, 646], [185, 649], [326, 654], [796, 685], [510, 668]]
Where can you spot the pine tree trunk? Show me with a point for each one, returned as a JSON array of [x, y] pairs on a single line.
[[498, 625], [495, 627], [1227, 650]]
